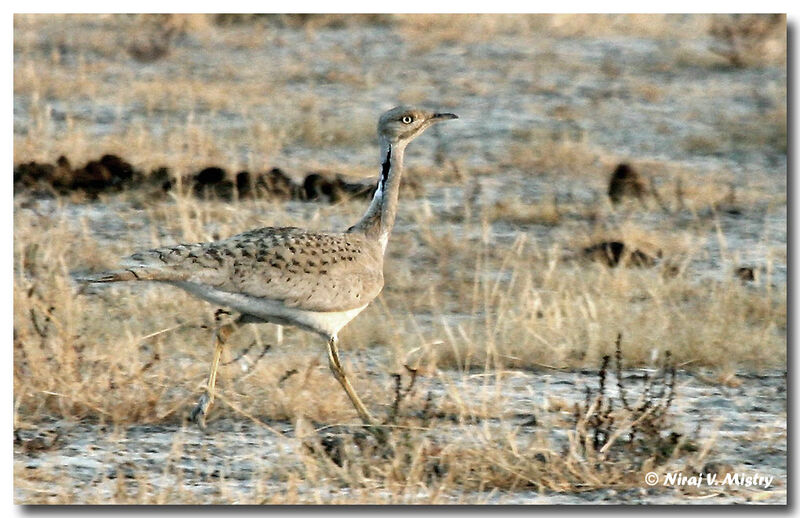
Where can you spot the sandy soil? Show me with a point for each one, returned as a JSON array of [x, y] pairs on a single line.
[[242, 461]]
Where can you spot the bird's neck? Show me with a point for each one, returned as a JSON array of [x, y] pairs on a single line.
[[378, 220]]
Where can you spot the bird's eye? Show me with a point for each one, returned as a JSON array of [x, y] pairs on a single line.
[[407, 119]]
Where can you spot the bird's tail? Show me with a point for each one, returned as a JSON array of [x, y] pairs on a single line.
[[130, 274]]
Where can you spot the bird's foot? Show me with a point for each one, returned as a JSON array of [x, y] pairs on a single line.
[[198, 415]]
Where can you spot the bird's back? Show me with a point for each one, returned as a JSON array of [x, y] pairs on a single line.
[[312, 271]]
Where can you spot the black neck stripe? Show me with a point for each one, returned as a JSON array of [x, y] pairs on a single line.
[[385, 168]]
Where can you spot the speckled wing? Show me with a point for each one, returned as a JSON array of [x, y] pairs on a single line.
[[306, 270]]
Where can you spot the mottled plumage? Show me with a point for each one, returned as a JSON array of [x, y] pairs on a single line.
[[307, 270], [318, 281]]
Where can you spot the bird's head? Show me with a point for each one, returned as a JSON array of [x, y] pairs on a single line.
[[402, 124]]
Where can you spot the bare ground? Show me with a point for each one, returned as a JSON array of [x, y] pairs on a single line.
[[247, 459]]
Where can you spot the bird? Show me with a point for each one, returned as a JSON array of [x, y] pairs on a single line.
[[315, 281]]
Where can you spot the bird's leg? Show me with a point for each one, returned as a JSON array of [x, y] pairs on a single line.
[[338, 372], [207, 399]]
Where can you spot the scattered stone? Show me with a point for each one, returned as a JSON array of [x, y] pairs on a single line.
[[62, 173], [29, 174], [626, 182], [39, 441], [670, 270], [152, 47], [745, 273], [316, 187], [113, 174], [110, 173], [161, 176], [210, 176], [212, 182], [613, 253], [278, 184], [244, 184]]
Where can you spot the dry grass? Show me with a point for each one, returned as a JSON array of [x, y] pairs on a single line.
[[484, 307], [557, 154], [522, 213], [460, 28], [610, 443], [606, 447], [540, 309], [745, 39]]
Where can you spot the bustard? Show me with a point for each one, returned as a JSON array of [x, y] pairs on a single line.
[[317, 281]]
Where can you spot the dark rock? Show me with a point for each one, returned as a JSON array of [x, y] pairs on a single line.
[[244, 184], [120, 170], [626, 182], [745, 273], [29, 174], [62, 174], [277, 184], [317, 186], [154, 47], [212, 181], [210, 176], [112, 173], [160, 177], [612, 253], [109, 173], [361, 189], [93, 177]]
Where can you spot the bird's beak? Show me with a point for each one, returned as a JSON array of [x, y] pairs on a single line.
[[444, 116]]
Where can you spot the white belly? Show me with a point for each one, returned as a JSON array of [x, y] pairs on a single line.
[[326, 323]]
